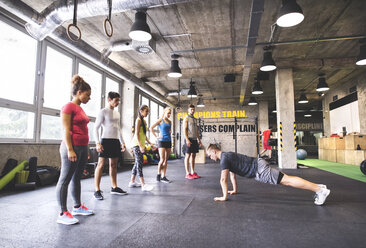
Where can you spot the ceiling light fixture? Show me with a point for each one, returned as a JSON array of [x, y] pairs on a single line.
[[140, 30], [268, 63], [252, 101], [290, 14], [303, 98], [361, 58], [322, 85], [307, 115], [192, 90], [257, 89], [200, 102], [174, 70], [274, 111]]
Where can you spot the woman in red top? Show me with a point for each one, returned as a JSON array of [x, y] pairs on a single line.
[[73, 151], [266, 147]]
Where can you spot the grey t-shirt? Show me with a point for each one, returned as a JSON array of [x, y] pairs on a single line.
[[239, 164]]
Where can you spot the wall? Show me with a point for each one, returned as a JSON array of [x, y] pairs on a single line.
[[342, 91], [246, 140]]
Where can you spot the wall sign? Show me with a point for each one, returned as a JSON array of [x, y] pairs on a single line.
[[215, 114]]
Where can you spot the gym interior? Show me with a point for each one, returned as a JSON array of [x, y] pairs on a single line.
[[296, 67]]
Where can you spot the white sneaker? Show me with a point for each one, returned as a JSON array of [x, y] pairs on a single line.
[[146, 187], [134, 184], [322, 186], [321, 196]]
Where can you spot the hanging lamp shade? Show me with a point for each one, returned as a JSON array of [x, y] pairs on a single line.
[[322, 85], [290, 14], [257, 89], [303, 98], [252, 101], [200, 102], [192, 90], [268, 63], [140, 31], [174, 70], [361, 58]]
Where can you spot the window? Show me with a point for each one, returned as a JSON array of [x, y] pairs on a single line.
[[110, 85], [153, 118], [18, 56], [51, 128], [16, 124], [161, 111], [94, 79], [58, 74], [91, 130]]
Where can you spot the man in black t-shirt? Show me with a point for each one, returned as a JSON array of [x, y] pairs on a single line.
[[259, 169]]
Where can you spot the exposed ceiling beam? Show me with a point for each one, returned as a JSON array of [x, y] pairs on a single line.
[[255, 19]]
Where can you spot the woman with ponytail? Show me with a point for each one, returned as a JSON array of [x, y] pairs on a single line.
[[73, 151], [138, 148]]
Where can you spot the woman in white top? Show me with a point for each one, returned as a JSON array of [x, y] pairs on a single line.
[[109, 146]]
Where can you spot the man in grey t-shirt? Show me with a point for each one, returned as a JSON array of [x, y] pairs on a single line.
[[259, 169]]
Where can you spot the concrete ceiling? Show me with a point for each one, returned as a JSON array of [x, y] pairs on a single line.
[[211, 24]]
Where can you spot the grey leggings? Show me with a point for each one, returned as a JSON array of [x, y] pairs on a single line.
[[139, 161], [70, 171]]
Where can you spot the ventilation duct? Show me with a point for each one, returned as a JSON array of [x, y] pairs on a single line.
[[60, 11]]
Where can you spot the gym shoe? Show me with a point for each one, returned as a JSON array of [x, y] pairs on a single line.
[[322, 186], [134, 184], [67, 219], [195, 175], [146, 187], [189, 176], [118, 191], [98, 195], [158, 177], [165, 180], [321, 196], [82, 210]]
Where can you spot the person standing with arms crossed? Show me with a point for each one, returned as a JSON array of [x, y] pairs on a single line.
[[73, 151], [164, 143], [192, 142], [111, 145], [138, 148]]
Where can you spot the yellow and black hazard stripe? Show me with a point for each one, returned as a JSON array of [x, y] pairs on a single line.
[[260, 140], [281, 145], [295, 136]]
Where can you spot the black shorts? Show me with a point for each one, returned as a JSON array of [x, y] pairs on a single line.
[[112, 148], [193, 148], [164, 144]]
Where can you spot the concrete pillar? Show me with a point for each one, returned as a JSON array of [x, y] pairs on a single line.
[[263, 123], [285, 115]]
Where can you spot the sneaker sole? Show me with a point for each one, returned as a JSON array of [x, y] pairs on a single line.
[[99, 198], [85, 214], [66, 223], [116, 193], [165, 181], [319, 204]]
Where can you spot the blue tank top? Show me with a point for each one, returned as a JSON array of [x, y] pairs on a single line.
[[165, 131]]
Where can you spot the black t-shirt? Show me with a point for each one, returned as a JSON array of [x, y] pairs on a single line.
[[239, 164]]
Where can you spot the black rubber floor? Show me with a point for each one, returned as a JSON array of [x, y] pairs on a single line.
[[183, 214]]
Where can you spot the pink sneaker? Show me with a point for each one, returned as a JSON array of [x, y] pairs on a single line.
[[195, 175], [189, 176]]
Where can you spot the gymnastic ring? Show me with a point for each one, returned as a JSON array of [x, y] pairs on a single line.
[[69, 34], [105, 27]]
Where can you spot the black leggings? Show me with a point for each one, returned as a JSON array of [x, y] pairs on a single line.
[[139, 161]]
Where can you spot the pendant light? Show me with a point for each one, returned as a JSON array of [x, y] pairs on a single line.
[[361, 58], [303, 98], [322, 85], [290, 14], [252, 101], [268, 63], [140, 31], [200, 102], [174, 70], [192, 90], [257, 89]]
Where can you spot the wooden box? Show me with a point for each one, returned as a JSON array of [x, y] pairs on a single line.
[[360, 156], [355, 157], [341, 156], [321, 143], [330, 155], [340, 143], [332, 141], [321, 154], [352, 141], [201, 157]]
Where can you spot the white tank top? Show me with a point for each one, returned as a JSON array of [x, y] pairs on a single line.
[[109, 120]]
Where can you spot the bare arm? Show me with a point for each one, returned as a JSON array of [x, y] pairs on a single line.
[[98, 124], [66, 124], [154, 126], [223, 182], [198, 136], [233, 182]]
